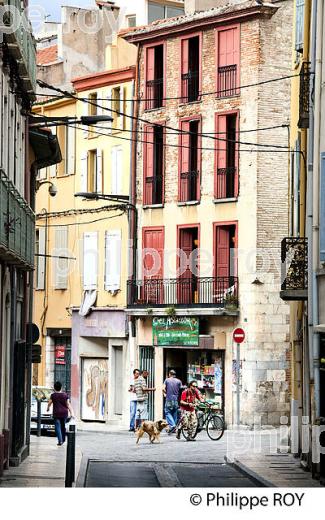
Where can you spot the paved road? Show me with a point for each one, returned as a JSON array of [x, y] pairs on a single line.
[[114, 460]]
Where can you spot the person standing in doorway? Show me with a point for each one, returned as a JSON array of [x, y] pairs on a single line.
[[171, 389], [142, 390], [133, 400], [61, 409]]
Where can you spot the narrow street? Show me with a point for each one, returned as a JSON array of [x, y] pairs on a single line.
[[172, 463]]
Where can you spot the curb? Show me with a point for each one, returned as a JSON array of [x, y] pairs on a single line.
[[245, 470]]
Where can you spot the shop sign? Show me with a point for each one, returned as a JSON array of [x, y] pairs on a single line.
[[180, 331], [60, 354]]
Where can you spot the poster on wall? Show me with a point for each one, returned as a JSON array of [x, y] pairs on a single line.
[[180, 331], [60, 354], [94, 385]]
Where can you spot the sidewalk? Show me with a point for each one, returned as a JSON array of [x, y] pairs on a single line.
[[45, 466], [274, 470]]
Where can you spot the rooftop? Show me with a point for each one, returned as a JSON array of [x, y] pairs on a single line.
[[47, 55]]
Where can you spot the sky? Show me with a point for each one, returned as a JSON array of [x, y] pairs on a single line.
[[52, 7]]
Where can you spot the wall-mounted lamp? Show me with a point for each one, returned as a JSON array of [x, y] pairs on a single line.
[[52, 189]]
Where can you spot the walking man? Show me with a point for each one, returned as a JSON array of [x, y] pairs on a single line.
[[141, 390], [61, 409], [171, 390], [189, 418]]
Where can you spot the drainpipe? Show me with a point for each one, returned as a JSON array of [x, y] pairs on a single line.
[[318, 93]]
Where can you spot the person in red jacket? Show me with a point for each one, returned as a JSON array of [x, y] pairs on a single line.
[[188, 401]]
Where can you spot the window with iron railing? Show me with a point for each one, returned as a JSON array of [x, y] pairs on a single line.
[[153, 166], [226, 180], [154, 77], [228, 61], [189, 175], [190, 78]]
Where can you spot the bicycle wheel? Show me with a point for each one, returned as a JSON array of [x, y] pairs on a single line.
[[215, 427], [186, 434]]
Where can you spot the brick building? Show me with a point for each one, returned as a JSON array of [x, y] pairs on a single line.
[[211, 188]]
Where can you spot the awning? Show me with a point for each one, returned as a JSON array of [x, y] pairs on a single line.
[[45, 146]]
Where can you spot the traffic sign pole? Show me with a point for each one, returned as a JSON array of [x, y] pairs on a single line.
[[238, 337]]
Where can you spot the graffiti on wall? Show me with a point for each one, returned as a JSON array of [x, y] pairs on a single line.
[[94, 389]]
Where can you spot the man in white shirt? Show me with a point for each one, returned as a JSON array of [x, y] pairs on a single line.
[[133, 400]]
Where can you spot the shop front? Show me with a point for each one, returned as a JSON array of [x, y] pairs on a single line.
[[177, 344]]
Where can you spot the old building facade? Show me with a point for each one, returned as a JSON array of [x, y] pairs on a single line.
[[211, 158]]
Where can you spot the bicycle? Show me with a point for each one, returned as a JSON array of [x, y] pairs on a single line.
[[211, 419]]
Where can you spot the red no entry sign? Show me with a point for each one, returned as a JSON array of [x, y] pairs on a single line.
[[239, 335]]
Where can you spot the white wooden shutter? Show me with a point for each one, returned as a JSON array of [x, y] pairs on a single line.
[[60, 265], [90, 260], [52, 169], [99, 171], [40, 272], [116, 170], [84, 172], [70, 150], [113, 242]]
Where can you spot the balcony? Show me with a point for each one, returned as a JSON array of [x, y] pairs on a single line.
[[154, 94], [185, 292], [227, 81], [21, 45], [17, 226], [294, 272], [190, 87]]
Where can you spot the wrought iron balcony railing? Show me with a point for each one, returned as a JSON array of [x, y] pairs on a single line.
[[154, 94], [17, 225], [304, 95], [294, 258], [227, 81], [189, 186], [226, 183], [190, 87], [184, 291], [153, 190]]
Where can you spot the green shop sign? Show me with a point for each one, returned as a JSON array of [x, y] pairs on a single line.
[[175, 331]]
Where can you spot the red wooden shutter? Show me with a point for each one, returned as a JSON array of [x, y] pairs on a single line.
[[223, 251], [148, 172], [228, 47], [221, 175], [150, 76], [185, 284], [184, 162], [153, 239]]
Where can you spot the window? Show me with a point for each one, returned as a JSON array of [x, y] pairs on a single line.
[[300, 5], [228, 61], [189, 174], [116, 170], [113, 259], [40, 248], [60, 265], [190, 80], [160, 12], [187, 283], [90, 260], [91, 171], [92, 108], [225, 263], [118, 107], [153, 165], [226, 179], [154, 77], [131, 20]]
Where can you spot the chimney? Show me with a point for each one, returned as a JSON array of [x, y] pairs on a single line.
[[194, 6]]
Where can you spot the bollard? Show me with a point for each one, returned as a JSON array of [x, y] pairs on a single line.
[[71, 456], [39, 417]]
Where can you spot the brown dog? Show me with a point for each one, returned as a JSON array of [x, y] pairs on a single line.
[[153, 429]]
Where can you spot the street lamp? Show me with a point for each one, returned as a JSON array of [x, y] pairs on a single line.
[[48, 122]]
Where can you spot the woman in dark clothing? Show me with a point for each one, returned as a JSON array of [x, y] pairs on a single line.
[[61, 407]]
